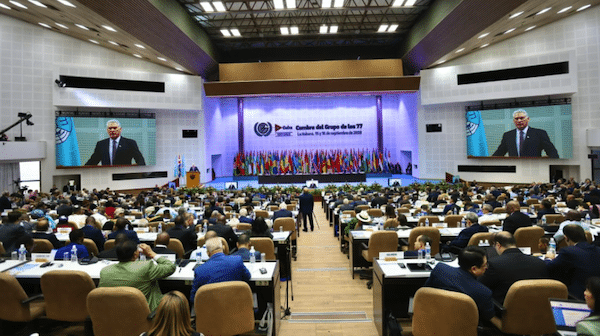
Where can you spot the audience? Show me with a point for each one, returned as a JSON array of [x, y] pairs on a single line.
[[243, 249], [76, 238]]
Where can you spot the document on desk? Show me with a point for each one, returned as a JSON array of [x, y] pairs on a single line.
[[391, 268], [22, 268]]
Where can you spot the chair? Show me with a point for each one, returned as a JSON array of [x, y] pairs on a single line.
[[225, 245], [227, 208], [375, 212], [362, 207], [16, 306], [224, 309], [453, 220], [554, 218], [499, 210], [118, 311], [288, 224], [478, 237], [352, 213], [407, 205], [431, 232], [403, 210], [201, 241], [518, 317], [264, 245], [90, 246], [272, 208], [291, 207], [41, 246], [532, 201], [380, 241], [431, 313], [432, 220], [65, 293], [261, 213], [529, 237], [244, 227], [71, 225], [391, 223], [176, 246], [109, 244], [491, 222]]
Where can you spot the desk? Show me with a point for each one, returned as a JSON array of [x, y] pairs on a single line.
[[266, 286]]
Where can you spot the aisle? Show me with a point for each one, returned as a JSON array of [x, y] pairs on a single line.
[[322, 284]]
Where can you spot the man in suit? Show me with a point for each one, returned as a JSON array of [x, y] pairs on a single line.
[[224, 231], [120, 225], [282, 212], [116, 150], [379, 201], [143, 275], [112, 253], [187, 235], [218, 268], [161, 244], [516, 218], [11, 231], [243, 250], [575, 263], [5, 203], [464, 236], [525, 141], [41, 232], [306, 209], [510, 266]]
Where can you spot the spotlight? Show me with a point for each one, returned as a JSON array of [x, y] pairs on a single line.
[[60, 83]]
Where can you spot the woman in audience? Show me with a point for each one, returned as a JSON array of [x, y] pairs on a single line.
[[260, 228], [390, 217], [590, 325], [172, 317]]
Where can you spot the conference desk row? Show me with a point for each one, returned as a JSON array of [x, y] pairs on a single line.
[[265, 286]]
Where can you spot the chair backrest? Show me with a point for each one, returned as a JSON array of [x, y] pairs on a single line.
[[479, 236], [224, 309], [264, 245], [2, 250], [288, 225], [362, 207], [65, 293], [554, 218], [227, 208], [109, 244], [432, 219], [352, 213], [244, 227], [201, 241], [532, 201], [453, 220], [527, 309], [375, 212], [41, 246], [176, 246], [431, 232], [71, 225], [407, 205], [273, 208], [291, 207], [11, 295], [382, 241], [431, 313], [261, 213], [118, 311], [91, 246], [391, 223], [403, 209], [499, 210], [225, 245], [491, 222], [529, 237]]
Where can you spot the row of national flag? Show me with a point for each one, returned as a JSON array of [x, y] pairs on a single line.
[[312, 162]]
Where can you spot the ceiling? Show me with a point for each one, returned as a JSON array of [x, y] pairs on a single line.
[[182, 35]]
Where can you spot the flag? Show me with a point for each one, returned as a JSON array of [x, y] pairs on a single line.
[[476, 141], [67, 148]]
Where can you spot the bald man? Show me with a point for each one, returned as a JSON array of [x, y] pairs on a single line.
[[516, 218], [161, 244]]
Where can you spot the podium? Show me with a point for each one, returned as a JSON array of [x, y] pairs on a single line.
[[192, 179]]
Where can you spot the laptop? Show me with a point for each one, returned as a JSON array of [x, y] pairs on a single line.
[[567, 313]]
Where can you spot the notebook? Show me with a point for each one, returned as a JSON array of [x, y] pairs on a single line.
[[567, 313]]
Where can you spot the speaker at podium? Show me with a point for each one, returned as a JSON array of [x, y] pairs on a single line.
[[192, 179]]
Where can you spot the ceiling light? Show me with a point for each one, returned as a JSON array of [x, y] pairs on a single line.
[[392, 28], [515, 15], [485, 45], [397, 3], [338, 3], [162, 59], [178, 69], [323, 29], [219, 6], [510, 31], [530, 28], [18, 4], [383, 28], [82, 26], [61, 25], [207, 7], [139, 46], [410, 3], [459, 50], [333, 29], [44, 25], [543, 11], [113, 43], [326, 4], [138, 56], [294, 30], [564, 10], [235, 32], [284, 30], [291, 4], [278, 4], [4, 6], [37, 3], [109, 28], [442, 61], [483, 35], [225, 32], [584, 7], [66, 3], [94, 41]]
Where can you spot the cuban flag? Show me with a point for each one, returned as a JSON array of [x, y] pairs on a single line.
[[67, 148], [476, 141]]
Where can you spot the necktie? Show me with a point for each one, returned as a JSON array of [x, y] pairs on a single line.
[[114, 152], [521, 141]]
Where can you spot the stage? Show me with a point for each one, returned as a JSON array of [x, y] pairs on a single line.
[[322, 178]]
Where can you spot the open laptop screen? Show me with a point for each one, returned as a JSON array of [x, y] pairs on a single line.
[[568, 312]]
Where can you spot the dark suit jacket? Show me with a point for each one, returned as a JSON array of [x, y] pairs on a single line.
[[516, 220], [282, 213], [306, 203], [51, 237], [226, 232], [574, 264], [95, 235], [510, 267], [131, 235], [127, 150], [162, 250], [465, 235], [536, 141], [188, 237], [9, 234]]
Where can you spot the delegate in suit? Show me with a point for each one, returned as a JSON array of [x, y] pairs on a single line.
[[116, 150], [525, 141]]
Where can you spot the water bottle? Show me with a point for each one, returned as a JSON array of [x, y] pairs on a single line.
[[199, 256], [74, 254], [587, 219], [426, 221], [544, 220], [22, 253], [427, 251], [463, 223], [552, 246], [159, 227], [142, 255], [420, 254], [252, 255], [456, 211], [532, 209]]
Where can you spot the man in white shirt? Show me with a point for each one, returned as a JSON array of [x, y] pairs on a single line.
[[573, 217]]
